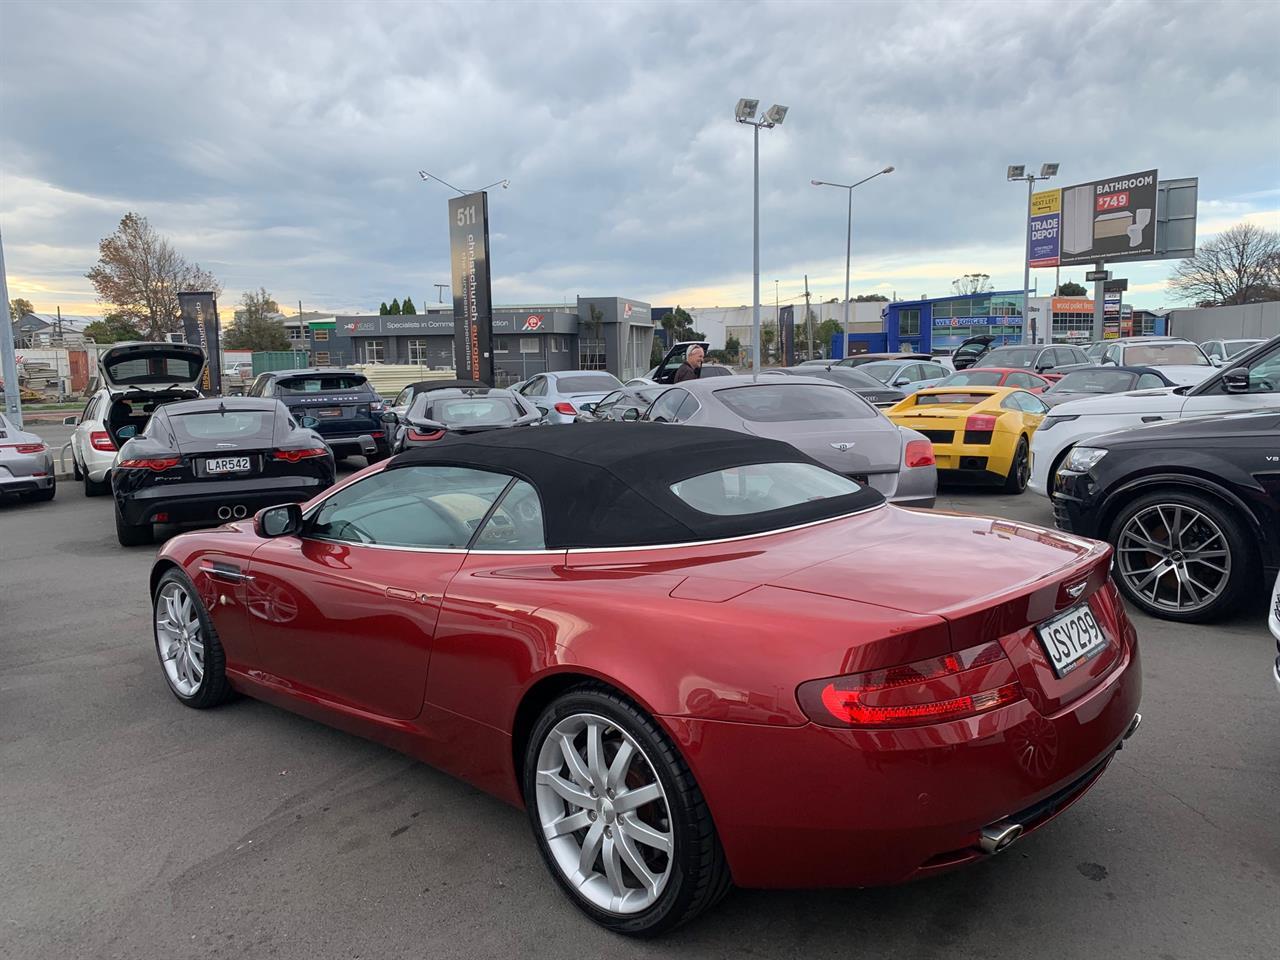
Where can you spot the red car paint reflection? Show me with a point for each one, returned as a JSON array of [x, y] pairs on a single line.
[[446, 656]]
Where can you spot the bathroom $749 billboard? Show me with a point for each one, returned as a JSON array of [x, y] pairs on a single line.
[[1109, 220]]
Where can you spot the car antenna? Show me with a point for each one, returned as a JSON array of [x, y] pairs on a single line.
[[222, 408]]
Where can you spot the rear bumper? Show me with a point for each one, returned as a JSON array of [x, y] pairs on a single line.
[[10, 484], [812, 806], [349, 443], [206, 504]]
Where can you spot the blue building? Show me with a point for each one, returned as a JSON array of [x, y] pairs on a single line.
[[941, 325]]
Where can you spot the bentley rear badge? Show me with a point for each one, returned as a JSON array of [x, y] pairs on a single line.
[[843, 445]]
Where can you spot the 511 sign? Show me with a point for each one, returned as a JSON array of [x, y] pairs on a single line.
[[472, 296]]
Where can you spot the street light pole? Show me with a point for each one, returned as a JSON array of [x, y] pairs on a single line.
[[1018, 172], [745, 113], [848, 241]]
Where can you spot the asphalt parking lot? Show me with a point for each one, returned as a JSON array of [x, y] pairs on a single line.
[[135, 828]]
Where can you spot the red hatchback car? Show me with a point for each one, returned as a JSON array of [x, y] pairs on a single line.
[[1000, 377], [696, 658]]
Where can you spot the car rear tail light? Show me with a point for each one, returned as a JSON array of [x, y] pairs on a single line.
[[160, 518], [158, 464], [416, 435], [980, 423], [23, 447], [378, 434], [566, 408], [101, 440], [293, 456], [950, 687], [920, 453]]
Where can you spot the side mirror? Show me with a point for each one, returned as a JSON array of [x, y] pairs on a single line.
[[1216, 361], [309, 422], [630, 415], [902, 381], [390, 417], [367, 446], [70, 421], [587, 407], [282, 521], [1236, 380]]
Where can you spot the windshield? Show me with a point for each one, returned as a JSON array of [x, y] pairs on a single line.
[[759, 487], [1022, 357], [854, 379], [784, 402], [322, 383], [1095, 381], [1236, 347], [973, 378], [588, 383], [1164, 355], [882, 371]]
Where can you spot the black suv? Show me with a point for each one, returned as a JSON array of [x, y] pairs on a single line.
[[340, 405], [1192, 508]]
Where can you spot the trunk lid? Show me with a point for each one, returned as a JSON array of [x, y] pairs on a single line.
[[152, 367], [870, 446]]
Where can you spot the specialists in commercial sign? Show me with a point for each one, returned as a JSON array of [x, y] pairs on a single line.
[[1109, 220], [472, 295], [1046, 228]]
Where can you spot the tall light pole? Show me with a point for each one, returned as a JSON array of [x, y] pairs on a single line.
[[1019, 172], [422, 174], [440, 289], [848, 240], [746, 113]]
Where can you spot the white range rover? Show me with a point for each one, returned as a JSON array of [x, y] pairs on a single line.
[[1252, 382]]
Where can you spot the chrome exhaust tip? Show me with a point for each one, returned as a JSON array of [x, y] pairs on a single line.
[[224, 513], [999, 836], [239, 512], [1130, 730]]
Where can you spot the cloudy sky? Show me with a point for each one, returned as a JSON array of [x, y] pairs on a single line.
[[278, 143]]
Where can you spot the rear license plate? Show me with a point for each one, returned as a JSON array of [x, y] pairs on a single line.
[[227, 465], [326, 411], [1071, 638]]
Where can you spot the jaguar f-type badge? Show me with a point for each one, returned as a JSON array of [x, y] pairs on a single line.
[[843, 445]]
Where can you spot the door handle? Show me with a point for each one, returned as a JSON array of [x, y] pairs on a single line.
[[395, 593], [225, 571]]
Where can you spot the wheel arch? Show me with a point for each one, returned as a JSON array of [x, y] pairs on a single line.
[[1135, 487], [162, 566]]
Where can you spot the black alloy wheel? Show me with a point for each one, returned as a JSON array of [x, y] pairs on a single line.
[[1020, 469]]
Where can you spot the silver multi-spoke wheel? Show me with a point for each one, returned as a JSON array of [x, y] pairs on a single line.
[[1174, 557], [179, 638], [604, 814]]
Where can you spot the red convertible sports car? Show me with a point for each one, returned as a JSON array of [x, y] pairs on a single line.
[[695, 657]]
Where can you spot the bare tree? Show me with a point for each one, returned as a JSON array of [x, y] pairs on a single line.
[[140, 274], [1239, 265], [972, 283]]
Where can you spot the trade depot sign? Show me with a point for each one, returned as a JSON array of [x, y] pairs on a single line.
[[1046, 228]]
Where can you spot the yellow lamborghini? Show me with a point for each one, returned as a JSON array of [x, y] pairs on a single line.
[[979, 434]]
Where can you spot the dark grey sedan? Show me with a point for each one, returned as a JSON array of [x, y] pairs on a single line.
[[819, 417], [851, 378], [468, 410]]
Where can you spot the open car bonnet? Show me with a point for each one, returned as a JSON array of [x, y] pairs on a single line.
[[152, 367]]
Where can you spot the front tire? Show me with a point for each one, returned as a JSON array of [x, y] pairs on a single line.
[[190, 652], [131, 534], [1182, 556], [1020, 469], [618, 817]]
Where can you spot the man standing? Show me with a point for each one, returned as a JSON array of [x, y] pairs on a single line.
[[691, 369]]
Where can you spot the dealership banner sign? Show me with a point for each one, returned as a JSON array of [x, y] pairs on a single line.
[[787, 335], [1046, 228], [1109, 220], [472, 294], [199, 313]]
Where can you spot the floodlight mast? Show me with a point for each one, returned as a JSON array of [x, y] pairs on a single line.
[[848, 241], [504, 184], [745, 113], [1019, 172]]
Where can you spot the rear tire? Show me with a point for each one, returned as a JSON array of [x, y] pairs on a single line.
[[1020, 469], [1184, 534], [96, 488], [43, 496], [688, 876], [132, 535]]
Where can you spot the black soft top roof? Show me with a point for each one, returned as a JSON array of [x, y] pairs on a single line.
[[608, 485]]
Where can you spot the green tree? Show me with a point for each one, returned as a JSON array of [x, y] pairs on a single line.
[[394, 309], [733, 348], [408, 307], [140, 274], [1071, 289], [254, 327], [113, 328], [871, 298], [767, 336], [383, 310], [19, 307], [828, 330]]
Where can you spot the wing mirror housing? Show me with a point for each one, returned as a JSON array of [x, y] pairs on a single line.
[[70, 421], [367, 446], [630, 415], [284, 520], [901, 382], [390, 417], [1216, 361], [1236, 380], [309, 422]]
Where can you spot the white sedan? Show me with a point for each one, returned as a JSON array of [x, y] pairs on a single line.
[[1253, 383]]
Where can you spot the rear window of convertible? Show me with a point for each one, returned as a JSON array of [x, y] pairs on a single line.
[[760, 487]]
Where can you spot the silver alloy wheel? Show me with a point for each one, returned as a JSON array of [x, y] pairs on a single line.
[[1174, 557], [604, 814], [179, 639]]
